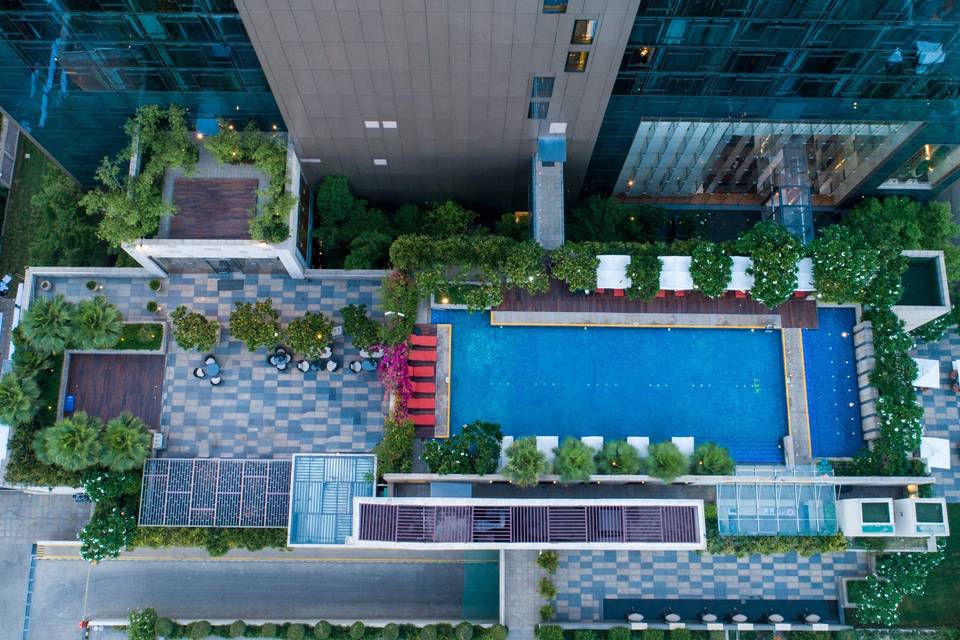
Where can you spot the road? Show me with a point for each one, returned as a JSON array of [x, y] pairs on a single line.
[[339, 584]]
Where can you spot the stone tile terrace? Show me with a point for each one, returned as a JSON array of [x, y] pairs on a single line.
[[257, 411], [941, 409]]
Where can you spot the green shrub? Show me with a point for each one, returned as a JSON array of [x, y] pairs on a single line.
[[110, 530], [618, 633], [644, 274], [680, 634], [18, 399], [364, 332], [476, 449], [710, 268], [710, 459], [584, 634], [395, 450], [296, 631], [464, 631], [142, 624], [576, 264], [63, 234], [619, 457], [775, 253], [357, 630], [843, 264], [497, 632], [548, 561], [165, 627], [91, 285], [268, 630], [664, 461], [255, 324], [199, 630], [237, 629], [152, 306], [392, 632], [321, 630], [574, 461], [653, 634], [525, 464], [547, 613], [103, 486], [428, 632], [193, 330], [154, 284], [546, 588], [309, 334], [549, 632], [525, 268]]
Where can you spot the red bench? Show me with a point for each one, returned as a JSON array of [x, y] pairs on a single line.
[[420, 355], [422, 372], [423, 419], [423, 341], [424, 387], [421, 403]]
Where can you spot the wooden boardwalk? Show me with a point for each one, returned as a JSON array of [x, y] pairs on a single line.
[[794, 314], [801, 451], [213, 208], [105, 385]]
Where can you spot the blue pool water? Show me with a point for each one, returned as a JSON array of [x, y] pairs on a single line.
[[832, 397], [719, 385]]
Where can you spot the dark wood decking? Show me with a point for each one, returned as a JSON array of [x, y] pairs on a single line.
[[107, 385], [793, 313], [213, 208]]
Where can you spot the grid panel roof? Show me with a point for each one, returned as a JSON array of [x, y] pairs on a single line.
[[213, 492], [772, 509], [324, 486]]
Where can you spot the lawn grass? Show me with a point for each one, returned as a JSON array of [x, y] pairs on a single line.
[[49, 382], [145, 336], [937, 607], [22, 220]]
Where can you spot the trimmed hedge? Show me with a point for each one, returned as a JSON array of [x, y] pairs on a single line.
[[750, 545], [166, 628], [216, 541]]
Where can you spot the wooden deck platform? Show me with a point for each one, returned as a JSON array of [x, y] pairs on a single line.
[[213, 208], [105, 385], [794, 314]]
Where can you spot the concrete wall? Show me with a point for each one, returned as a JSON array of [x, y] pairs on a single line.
[[454, 75]]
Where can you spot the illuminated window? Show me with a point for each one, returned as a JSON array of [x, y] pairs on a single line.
[[577, 61], [583, 31]]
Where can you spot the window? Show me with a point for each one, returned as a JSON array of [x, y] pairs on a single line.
[[554, 6], [542, 87], [583, 31], [577, 61], [538, 110]]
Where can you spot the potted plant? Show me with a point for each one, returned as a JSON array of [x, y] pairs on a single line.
[[152, 306], [46, 285], [155, 284], [91, 285]]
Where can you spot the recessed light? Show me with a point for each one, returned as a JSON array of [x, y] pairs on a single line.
[[380, 162], [371, 124], [389, 124]]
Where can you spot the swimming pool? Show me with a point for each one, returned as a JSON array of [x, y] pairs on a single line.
[[718, 385], [831, 375]]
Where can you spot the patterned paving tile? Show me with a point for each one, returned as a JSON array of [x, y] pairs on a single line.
[[257, 411], [941, 409], [585, 578]]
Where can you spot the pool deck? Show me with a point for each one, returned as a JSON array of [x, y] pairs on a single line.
[[638, 320], [801, 451], [793, 313], [444, 356]]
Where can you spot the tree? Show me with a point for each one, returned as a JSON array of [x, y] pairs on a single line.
[[775, 253], [126, 443], [576, 264], [619, 457], [191, 330], [142, 624], [711, 459], [513, 226], [129, 207], [106, 486], [72, 443], [110, 531], [666, 462], [309, 334], [368, 251], [525, 464], [67, 235], [607, 219], [256, 325], [48, 324], [18, 399], [98, 324], [395, 450], [574, 461], [447, 220], [710, 268], [363, 332], [843, 264], [644, 274], [272, 227], [475, 450], [525, 268], [322, 630]]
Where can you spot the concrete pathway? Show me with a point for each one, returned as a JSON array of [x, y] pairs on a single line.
[[523, 601], [797, 409]]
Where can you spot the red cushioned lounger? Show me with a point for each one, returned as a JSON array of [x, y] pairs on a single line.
[[418, 355], [423, 419], [421, 403], [422, 372], [423, 341], [424, 387]]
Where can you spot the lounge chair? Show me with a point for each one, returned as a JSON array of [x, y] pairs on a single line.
[[684, 443], [661, 294], [600, 291], [594, 442], [679, 293], [504, 445], [740, 295], [421, 403], [618, 293], [368, 365], [424, 387], [641, 444], [420, 355], [422, 372], [423, 341], [423, 419], [799, 295], [546, 445]]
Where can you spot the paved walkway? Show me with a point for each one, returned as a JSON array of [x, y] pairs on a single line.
[[941, 409], [797, 409], [585, 578], [24, 519], [610, 319], [257, 411], [523, 602]]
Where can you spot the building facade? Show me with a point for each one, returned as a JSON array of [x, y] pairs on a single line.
[[73, 71]]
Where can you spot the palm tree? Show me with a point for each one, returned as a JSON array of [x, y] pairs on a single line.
[[72, 443], [126, 443], [98, 324], [525, 464], [18, 398], [619, 457], [48, 324], [711, 459], [574, 461]]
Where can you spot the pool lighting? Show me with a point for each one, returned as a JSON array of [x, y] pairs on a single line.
[[445, 300], [845, 335], [199, 135]]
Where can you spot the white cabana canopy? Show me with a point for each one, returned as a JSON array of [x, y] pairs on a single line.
[[675, 275], [928, 373], [936, 451]]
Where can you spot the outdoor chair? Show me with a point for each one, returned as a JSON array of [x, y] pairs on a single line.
[[199, 373], [282, 366], [210, 359], [215, 380], [332, 365], [355, 366], [303, 365], [368, 365]]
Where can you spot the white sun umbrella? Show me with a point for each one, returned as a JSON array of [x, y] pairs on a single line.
[[675, 274], [936, 451], [739, 280], [928, 373], [612, 272]]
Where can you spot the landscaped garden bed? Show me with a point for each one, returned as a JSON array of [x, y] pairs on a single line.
[[141, 336]]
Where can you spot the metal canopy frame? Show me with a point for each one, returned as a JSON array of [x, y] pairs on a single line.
[[776, 509]]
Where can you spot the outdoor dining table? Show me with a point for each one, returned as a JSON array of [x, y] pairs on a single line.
[[213, 369]]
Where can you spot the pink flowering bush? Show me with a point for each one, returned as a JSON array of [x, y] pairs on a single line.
[[395, 376]]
